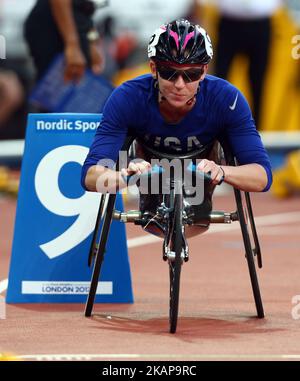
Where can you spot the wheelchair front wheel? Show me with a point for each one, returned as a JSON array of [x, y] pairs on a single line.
[[176, 262]]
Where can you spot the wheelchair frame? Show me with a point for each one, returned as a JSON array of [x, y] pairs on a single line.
[[176, 240]]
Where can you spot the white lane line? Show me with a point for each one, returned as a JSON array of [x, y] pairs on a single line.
[[280, 230], [3, 285], [78, 357], [268, 220], [277, 219]]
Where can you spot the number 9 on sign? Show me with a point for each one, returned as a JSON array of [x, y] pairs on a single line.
[[51, 197]]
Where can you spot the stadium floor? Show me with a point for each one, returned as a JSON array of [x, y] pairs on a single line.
[[217, 312]]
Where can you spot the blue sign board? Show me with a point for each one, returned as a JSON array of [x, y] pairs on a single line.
[[55, 219]]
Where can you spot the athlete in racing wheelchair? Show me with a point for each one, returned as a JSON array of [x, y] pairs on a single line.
[[177, 112]]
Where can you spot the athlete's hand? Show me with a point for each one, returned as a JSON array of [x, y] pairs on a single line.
[[215, 170], [136, 168]]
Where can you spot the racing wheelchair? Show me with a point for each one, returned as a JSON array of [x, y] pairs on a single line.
[[170, 216]]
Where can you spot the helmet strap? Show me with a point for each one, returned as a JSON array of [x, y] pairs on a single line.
[[160, 95]]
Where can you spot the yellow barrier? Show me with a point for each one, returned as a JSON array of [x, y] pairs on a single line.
[[286, 180], [8, 357], [9, 181]]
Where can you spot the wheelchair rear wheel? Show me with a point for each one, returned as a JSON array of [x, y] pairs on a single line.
[[94, 246], [176, 262], [100, 251], [249, 253]]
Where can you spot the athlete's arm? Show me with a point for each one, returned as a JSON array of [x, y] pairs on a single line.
[[254, 172], [101, 179], [98, 172], [248, 177]]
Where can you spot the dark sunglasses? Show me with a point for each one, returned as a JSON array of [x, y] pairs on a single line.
[[188, 75]]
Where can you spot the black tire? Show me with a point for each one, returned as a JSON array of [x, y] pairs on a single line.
[[230, 160], [249, 257], [257, 249], [100, 254], [175, 266], [94, 246]]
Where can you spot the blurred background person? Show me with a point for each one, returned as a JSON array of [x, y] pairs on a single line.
[[245, 27], [11, 95], [15, 84], [15, 70], [64, 26]]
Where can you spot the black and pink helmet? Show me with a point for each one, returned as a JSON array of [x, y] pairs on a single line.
[[180, 42]]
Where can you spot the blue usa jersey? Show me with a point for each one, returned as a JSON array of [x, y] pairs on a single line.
[[220, 111]]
